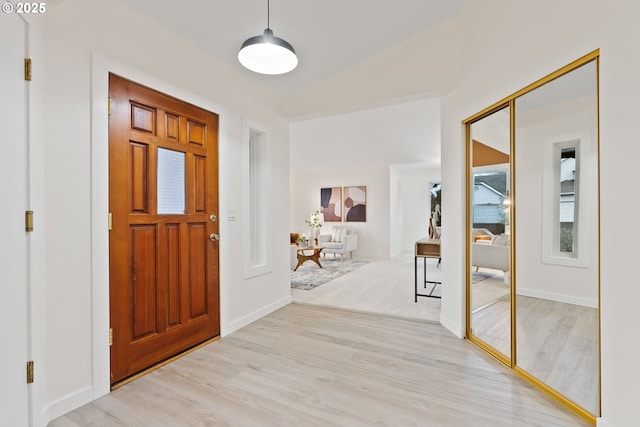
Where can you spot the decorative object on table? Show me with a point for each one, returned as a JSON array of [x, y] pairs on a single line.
[[302, 241], [432, 230], [309, 276], [314, 223], [435, 189], [355, 203], [331, 203]]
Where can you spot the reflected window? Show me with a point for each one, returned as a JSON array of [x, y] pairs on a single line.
[[567, 209], [489, 194]]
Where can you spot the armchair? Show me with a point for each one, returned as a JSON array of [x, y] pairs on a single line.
[[341, 241]]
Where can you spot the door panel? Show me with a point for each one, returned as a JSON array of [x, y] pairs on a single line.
[[164, 291], [14, 399]]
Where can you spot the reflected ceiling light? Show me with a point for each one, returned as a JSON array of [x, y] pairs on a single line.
[[267, 54]]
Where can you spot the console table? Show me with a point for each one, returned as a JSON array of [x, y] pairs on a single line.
[[427, 247]]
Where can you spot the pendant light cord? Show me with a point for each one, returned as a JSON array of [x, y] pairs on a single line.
[[268, 14]]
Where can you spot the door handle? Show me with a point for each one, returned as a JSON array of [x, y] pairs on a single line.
[[214, 237], [213, 217]]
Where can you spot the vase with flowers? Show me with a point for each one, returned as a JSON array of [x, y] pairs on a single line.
[[314, 223]]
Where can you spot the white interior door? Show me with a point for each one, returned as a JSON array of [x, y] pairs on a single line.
[[14, 294]]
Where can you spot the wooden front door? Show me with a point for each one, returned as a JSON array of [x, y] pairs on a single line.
[[163, 193]]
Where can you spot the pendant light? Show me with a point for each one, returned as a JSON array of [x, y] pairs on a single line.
[[267, 54]]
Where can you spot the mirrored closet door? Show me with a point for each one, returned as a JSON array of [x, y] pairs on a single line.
[[533, 234], [490, 290]]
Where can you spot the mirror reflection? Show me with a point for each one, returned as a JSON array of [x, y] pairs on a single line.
[[556, 186], [490, 295]]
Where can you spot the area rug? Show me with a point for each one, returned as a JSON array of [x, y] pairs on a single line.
[[310, 276]]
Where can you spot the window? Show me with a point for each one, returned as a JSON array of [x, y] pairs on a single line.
[[171, 183], [257, 208], [256, 190]]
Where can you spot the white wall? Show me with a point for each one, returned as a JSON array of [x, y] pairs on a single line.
[[399, 133], [75, 188], [410, 206], [373, 235], [507, 51]]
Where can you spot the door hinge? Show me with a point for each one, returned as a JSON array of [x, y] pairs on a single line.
[[109, 106], [27, 69], [110, 221], [28, 221], [110, 337], [30, 372]]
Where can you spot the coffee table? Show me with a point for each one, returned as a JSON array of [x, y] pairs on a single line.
[[302, 256]]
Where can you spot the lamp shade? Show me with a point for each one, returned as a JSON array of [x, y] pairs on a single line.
[[267, 54]]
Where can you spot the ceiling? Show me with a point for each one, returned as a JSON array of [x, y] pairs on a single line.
[[329, 36]]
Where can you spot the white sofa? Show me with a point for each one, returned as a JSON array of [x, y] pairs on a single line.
[[341, 241], [493, 254]]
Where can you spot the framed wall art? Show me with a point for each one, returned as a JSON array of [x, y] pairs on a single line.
[[331, 203], [355, 203]]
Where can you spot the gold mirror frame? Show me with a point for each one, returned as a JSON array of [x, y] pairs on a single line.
[[511, 361]]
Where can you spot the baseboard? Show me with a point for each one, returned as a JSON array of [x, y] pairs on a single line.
[[567, 299], [69, 403], [258, 314], [602, 423]]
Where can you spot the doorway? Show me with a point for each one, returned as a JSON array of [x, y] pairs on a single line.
[[163, 249]]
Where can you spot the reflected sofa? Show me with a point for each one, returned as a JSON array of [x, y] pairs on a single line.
[[492, 253]]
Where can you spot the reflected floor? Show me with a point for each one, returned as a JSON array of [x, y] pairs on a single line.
[[562, 340]]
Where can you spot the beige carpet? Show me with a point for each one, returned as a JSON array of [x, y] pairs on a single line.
[[383, 287]]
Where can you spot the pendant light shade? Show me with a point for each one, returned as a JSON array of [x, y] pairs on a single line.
[[267, 54]]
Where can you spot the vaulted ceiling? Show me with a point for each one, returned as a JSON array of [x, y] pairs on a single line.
[[337, 41], [329, 36]]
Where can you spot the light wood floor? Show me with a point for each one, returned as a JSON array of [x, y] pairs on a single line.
[[384, 287], [313, 366]]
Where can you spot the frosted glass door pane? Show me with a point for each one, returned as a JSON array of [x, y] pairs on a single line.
[[171, 193]]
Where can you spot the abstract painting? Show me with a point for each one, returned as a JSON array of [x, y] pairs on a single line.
[[355, 204], [331, 202]]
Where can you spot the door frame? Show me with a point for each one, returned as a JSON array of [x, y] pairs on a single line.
[[101, 66]]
